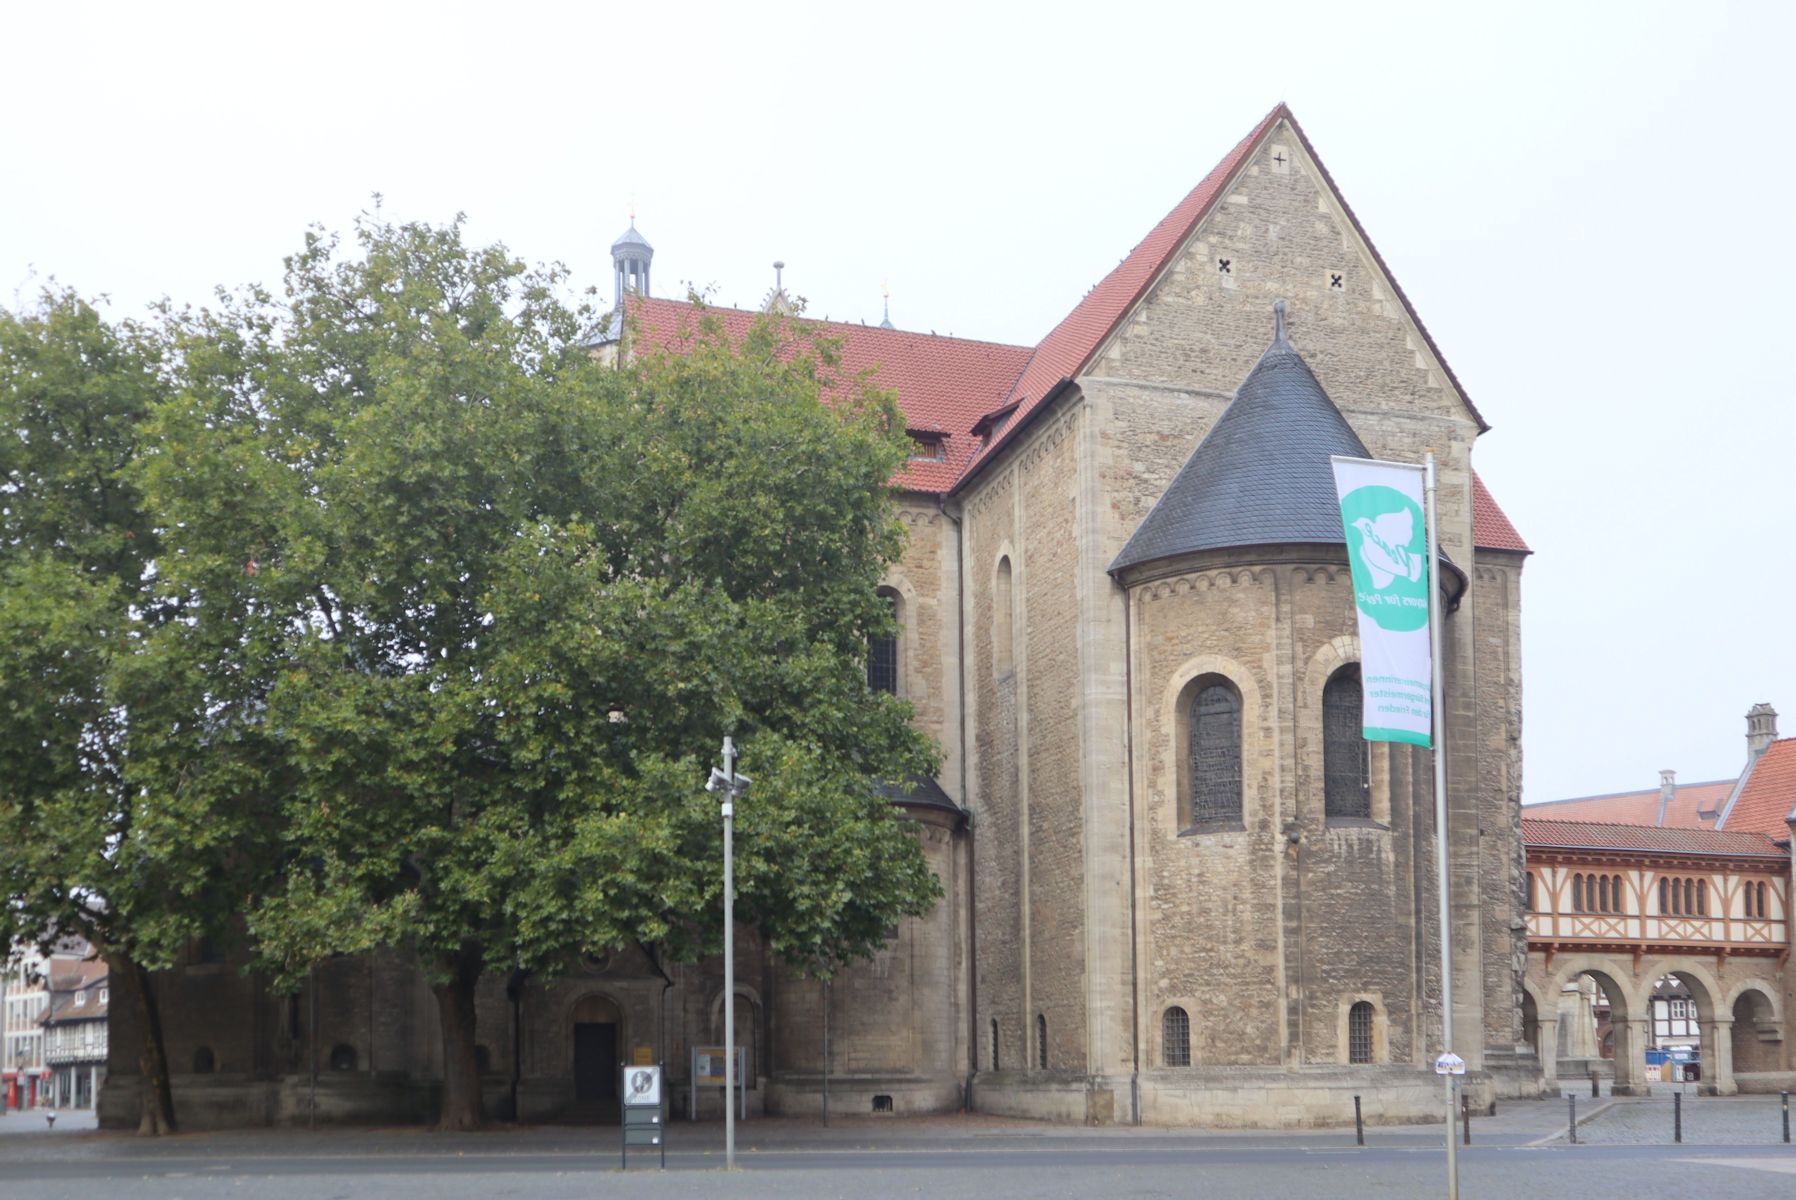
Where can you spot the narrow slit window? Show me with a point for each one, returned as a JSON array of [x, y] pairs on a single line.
[[882, 655]]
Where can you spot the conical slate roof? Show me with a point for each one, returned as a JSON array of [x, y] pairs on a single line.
[[1261, 476], [629, 238]]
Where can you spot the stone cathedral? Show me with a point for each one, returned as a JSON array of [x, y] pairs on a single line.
[[1179, 888]]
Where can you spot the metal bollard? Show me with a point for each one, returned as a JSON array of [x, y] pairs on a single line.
[[1571, 1124], [1677, 1116], [1596, 1087], [1465, 1117], [1359, 1124], [1786, 1096]]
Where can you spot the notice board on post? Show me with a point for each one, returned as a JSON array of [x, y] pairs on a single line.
[[708, 1064]]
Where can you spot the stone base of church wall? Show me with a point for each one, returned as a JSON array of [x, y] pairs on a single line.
[[1052, 1096], [1514, 1073], [791, 1095], [1311, 1098], [1238, 1097], [224, 1102]]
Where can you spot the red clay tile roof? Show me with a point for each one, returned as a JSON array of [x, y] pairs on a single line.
[[950, 383], [1066, 351], [1640, 808], [943, 383], [1491, 530], [1769, 796], [1595, 835], [1069, 347]]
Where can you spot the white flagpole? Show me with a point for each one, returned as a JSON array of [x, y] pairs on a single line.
[[729, 962], [1437, 702]]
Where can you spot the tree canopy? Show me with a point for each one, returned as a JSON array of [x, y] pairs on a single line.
[[125, 812], [474, 608]]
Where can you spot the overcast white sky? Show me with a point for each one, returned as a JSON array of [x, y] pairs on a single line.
[[1589, 205]]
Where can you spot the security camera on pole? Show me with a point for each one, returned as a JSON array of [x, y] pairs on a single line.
[[731, 785]]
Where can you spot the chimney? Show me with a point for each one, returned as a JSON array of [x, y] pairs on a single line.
[[1761, 729], [1668, 787]]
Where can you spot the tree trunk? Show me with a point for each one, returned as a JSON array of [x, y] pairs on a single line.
[[461, 1071], [152, 1061]]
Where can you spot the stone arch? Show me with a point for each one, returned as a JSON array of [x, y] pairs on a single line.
[[750, 1035], [1169, 802], [897, 592], [1544, 1036], [1764, 987], [593, 1033], [1704, 988], [1628, 1010], [1757, 1033], [1004, 593], [1371, 1004], [1325, 662]]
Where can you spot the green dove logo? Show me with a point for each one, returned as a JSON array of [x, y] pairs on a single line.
[[1384, 548], [1389, 558]]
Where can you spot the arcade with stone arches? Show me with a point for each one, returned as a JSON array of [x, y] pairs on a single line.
[[1738, 1016]]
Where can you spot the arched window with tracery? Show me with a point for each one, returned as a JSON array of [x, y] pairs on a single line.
[[1175, 1037], [882, 652], [1359, 1032], [1346, 759], [1213, 761]]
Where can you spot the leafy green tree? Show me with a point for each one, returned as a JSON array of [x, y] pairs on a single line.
[[110, 767], [500, 600]]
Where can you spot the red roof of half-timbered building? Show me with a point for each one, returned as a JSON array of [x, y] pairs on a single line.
[[1598, 836], [1768, 799]]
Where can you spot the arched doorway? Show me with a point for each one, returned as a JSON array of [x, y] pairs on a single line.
[[597, 1033]]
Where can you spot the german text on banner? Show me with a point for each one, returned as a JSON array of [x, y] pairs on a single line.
[[1381, 513]]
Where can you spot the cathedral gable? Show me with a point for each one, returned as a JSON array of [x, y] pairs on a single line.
[[1277, 227]]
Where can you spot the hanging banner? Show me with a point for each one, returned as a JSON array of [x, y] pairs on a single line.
[[1381, 514]]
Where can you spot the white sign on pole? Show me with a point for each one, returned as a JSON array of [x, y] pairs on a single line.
[[1449, 1064], [642, 1087], [1382, 517]]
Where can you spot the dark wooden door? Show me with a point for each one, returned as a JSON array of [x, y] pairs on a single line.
[[595, 1062]]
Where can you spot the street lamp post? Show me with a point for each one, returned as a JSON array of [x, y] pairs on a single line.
[[728, 782]]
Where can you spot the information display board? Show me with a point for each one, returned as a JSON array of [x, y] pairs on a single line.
[[708, 1071]]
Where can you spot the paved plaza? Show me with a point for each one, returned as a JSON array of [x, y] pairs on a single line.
[[1519, 1152]]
